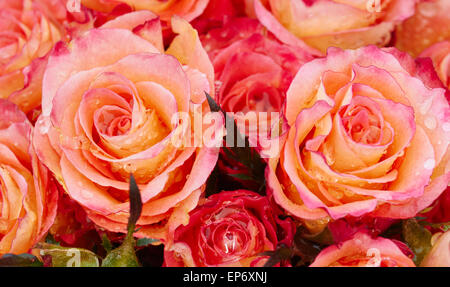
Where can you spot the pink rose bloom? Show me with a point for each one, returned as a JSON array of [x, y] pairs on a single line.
[[28, 34], [363, 251], [368, 135], [428, 25], [218, 12], [439, 255], [253, 72], [230, 229], [72, 227], [440, 55], [109, 110], [29, 194], [187, 9], [440, 210], [347, 24]]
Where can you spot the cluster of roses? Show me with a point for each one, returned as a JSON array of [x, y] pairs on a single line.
[[88, 97]]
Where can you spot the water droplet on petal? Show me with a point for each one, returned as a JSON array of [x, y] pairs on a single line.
[[429, 163], [44, 125], [430, 123]]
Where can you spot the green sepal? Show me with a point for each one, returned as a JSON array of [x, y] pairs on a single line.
[[125, 254]]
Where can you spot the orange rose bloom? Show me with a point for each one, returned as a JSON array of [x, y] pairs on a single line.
[[28, 193], [27, 35], [363, 251], [346, 24], [109, 100], [440, 55], [187, 9], [367, 136], [428, 25]]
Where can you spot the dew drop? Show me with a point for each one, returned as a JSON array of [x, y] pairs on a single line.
[[44, 126], [429, 164], [430, 123]]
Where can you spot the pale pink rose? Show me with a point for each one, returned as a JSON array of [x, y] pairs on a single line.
[[29, 193], [363, 251], [439, 255], [320, 24], [368, 135], [440, 55], [109, 100], [428, 25]]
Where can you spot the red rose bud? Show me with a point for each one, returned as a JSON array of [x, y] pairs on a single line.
[[231, 228]]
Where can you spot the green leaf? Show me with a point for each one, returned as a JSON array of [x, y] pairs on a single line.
[[141, 242], [213, 105], [417, 238], [322, 238], [282, 253], [135, 204], [125, 254], [51, 240], [443, 226], [106, 243], [305, 249], [68, 256], [21, 260], [245, 155]]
